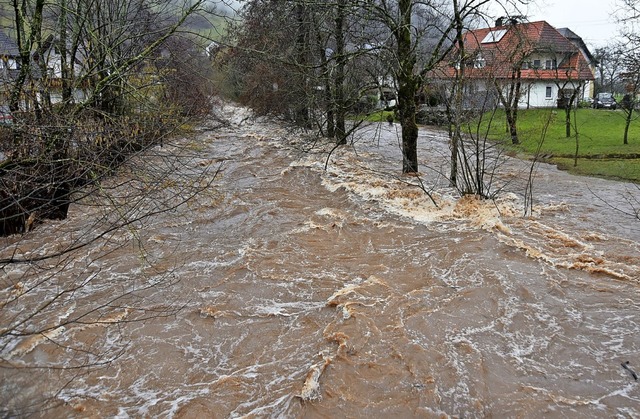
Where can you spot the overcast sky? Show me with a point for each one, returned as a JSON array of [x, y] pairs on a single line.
[[590, 19]]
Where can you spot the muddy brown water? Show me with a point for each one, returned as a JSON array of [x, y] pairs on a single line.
[[340, 293]]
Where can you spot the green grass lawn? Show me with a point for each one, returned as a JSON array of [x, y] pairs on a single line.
[[601, 150], [377, 116]]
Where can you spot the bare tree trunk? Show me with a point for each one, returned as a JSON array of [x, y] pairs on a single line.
[[512, 124], [407, 89], [627, 123], [568, 104], [340, 105], [302, 110], [65, 72], [328, 91], [510, 102], [25, 41], [455, 134]]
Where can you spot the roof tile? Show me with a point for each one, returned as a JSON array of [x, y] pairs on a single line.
[[517, 45]]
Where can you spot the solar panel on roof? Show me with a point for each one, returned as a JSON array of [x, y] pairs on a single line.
[[493, 36]]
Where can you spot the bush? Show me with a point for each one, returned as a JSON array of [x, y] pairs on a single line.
[[584, 104]]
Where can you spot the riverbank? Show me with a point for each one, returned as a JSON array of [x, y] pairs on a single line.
[[542, 133], [596, 138]]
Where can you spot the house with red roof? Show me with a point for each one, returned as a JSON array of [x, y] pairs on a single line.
[[547, 64]]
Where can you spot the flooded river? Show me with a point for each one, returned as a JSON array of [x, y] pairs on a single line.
[[287, 290]]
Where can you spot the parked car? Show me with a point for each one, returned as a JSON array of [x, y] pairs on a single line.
[[605, 100]]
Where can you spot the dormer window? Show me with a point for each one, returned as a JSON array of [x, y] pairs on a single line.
[[479, 62], [473, 61]]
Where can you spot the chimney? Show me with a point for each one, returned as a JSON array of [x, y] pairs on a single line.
[[499, 22]]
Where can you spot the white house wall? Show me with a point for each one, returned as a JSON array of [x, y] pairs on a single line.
[[56, 97], [54, 65], [535, 94]]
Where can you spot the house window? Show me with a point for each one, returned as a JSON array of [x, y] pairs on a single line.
[[551, 64], [536, 63], [12, 64], [526, 65], [548, 92]]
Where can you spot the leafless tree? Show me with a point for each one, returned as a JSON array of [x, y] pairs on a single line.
[[96, 101], [298, 60], [629, 55], [421, 33], [632, 88], [509, 88], [609, 68], [88, 70]]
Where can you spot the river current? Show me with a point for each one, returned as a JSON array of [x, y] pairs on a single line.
[[285, 289]]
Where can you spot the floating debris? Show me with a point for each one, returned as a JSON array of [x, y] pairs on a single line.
[[311, 387], [625, 365]]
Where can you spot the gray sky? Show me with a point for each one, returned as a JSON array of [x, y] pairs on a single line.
[[591, 19]]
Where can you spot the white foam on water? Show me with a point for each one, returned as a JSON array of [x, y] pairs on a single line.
[[284, 309], [220, 345], [404, 195]]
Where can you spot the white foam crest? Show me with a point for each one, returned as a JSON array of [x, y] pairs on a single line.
[[309, 226], [311, 387], [276, 408], [583, 258], [351, 288], [27, 345], [364, 175], [24, 346], [208, 266], [567, 401], [285, 309], [236, 115], [331, 212], [404, 195]]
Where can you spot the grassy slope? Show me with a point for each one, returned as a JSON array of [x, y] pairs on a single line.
[[601, 149]]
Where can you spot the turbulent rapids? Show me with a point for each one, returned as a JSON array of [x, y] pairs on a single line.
[[288, 290]]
